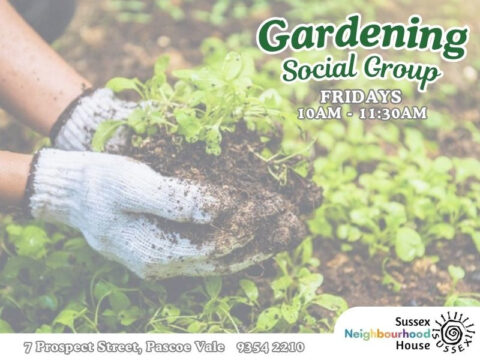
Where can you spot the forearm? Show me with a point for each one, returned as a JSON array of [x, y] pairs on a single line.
[[36, 84], [14, 171]]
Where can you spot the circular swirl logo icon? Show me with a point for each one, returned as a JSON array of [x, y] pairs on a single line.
[[453, 333]]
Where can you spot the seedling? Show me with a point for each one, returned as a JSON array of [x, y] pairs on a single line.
[[202, 106], [456, 298]]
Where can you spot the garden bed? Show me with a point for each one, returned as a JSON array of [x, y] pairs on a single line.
[[114, 300]]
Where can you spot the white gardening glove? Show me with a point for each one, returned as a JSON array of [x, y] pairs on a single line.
[[117, 203], [77, 124]]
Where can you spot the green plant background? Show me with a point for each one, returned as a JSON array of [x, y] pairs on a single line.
[[390, 188]]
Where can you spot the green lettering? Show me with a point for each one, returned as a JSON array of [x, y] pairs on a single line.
[[280, 39], [389, 31], [370, 32], [351, 30], [302, 38], [455, 52], [289, 66]]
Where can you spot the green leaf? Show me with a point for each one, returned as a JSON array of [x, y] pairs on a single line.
[[289, 313], [196, 327], [456, 272], [48, 302], [104, 132], [348, 232], [137, 120], [232, 66], [442, 231], [120, 84], [58, 259], [320, 225], [465, 168], [309, 284], [271, 98], [204, 79], [183, 74], [335, 128], [67, 318], [442, 164], [476, 240], [161, 65], [213, 139], [250, 289], [5, 327], [408, 244], [102, 289], [14, 265], [305, 250], [128, 316], [118, 301], [213, 286], [302, 168], [268, 318], [188, 125], [29, 241], [414, 140], [363, 217], [465, 301], [44, 329], [390, 280], [331, 302], [280, 286], [170, 312], [14, 230]]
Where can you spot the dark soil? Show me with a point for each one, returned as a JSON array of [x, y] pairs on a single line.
[[259, 213], [460, 143], [423, 282]]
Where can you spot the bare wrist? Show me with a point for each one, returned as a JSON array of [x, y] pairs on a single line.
[[14, 171]]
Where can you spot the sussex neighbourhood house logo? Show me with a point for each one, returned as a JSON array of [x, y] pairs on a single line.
[[453, 333]]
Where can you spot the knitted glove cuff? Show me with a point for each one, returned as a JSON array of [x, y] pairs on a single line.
[[54, 186], [77, 124]]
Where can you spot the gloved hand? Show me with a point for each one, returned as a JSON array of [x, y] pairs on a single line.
[[76, 126], [116, 202]]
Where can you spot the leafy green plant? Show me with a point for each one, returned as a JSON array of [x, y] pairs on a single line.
[[201, 105], [455, 298], [59, 284], [388, 279], [402, 202], [295, 291]]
